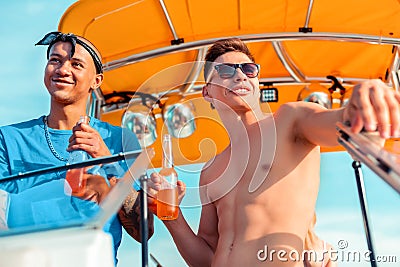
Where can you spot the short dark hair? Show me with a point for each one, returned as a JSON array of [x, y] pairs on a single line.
[[221, 47]]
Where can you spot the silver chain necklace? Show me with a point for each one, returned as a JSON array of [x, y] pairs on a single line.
[[49, 143]]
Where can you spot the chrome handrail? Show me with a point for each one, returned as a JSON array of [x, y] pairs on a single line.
[[364, 149], [287, 36], [368, 149]]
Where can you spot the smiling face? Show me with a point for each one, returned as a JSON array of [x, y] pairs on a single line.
[[238, 92], [70, 79]]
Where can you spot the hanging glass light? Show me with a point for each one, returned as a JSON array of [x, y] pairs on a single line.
[[178, 115], [316, 93]]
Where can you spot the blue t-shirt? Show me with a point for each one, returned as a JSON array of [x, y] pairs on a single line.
[[23, 147]]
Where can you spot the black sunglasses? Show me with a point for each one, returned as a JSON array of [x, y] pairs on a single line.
[[228, 70]]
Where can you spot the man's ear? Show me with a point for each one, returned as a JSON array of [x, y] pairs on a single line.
[[98, 80], [205, 93], [207, 97]]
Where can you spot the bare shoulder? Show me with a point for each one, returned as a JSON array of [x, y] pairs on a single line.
[[209, 169], [296, 109], [205, 179], [215, 167], [287, 107], [203, 175], [292, 112], [286, 113], [285, 117]]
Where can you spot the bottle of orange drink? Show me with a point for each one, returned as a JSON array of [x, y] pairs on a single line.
[[74, 177], [167, 197]]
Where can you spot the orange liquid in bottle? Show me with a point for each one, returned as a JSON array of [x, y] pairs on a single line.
[[167, 197], [74, 177], [167, 204], [153, 206], [75, 180]]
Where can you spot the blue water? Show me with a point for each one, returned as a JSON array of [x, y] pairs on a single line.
[[339, 219]]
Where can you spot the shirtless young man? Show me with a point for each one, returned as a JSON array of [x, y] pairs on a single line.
[[259, 194]]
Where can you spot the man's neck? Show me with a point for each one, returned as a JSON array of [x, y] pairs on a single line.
[[65, 118], [238, 123]]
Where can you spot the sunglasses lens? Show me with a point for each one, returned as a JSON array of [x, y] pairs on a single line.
[[250, 69], [225, 71], [228, 70]]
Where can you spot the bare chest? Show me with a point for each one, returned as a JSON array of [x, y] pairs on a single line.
[[245, 170]]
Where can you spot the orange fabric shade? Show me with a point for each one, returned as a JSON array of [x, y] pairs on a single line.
[[346, 38]]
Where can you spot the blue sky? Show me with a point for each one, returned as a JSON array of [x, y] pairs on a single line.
[[24, 96], [24, 22]]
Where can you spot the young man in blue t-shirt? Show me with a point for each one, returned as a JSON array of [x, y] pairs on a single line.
[[72, 71]]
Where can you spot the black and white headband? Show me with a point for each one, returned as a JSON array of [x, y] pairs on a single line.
[[51, 38]]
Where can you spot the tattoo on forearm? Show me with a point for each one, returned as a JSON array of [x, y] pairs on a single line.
[[130, 201], [129, 215]]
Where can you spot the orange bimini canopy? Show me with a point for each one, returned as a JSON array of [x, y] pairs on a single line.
[[157, 47]]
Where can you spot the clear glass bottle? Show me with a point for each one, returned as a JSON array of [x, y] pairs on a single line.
[[167, 197], [74, 177]]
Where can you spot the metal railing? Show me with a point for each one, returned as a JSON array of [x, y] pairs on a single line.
[[365, 148]]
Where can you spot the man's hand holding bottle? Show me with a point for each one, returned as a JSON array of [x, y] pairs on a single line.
[[154, 186]]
